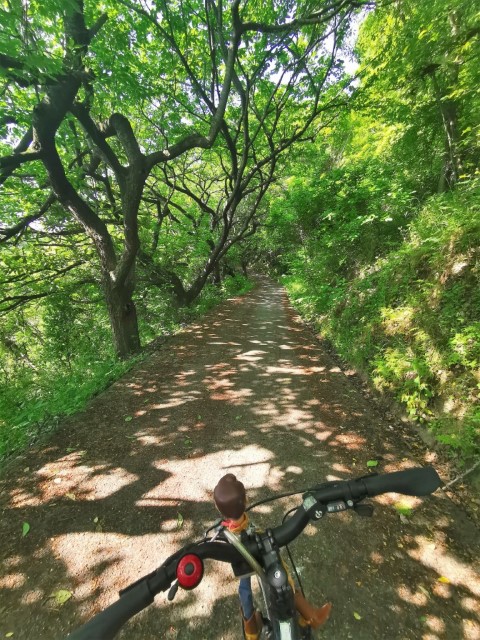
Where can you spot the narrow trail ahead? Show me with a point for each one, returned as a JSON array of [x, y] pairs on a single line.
[[130, 479]]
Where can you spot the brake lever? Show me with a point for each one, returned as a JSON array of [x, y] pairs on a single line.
[[173, 591], [364, 510]]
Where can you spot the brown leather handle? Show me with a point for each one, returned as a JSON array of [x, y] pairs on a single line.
[[230, 497]]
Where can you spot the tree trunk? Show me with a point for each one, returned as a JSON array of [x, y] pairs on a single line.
[[123, 320], [195, 290], [452, 160], [217, 275], [161, 277], [450, 120]]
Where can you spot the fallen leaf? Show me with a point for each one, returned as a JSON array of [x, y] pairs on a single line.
[[179, 521], [70, 496], [444, 580], [128, 418], [357, 616], [9, 634], [372, 463], [62, 596], [25, 529], [403, 509]]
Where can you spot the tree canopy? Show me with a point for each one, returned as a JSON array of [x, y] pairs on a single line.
[[120, 114]]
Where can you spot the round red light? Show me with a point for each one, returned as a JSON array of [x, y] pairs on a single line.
[[189, 571]]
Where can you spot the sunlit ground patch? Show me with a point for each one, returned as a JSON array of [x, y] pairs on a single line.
[[435, 555], [66, 477], [252, 464]]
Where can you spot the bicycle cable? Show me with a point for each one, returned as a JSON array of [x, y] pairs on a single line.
[[277, 497], [290, 557], [218, 522]]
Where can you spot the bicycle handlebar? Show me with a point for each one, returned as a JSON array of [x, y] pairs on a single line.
[[412, 482], [105, 625]]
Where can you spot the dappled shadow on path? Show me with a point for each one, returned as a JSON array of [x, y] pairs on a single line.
[[129, 480]]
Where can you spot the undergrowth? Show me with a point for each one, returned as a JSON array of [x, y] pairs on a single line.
[[74, 360], [411, 318]]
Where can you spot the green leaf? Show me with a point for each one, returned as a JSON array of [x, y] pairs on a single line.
[[62, 596], [179, 521], [357, 616], [372, 463], [25, 529], [128, 418], [403, 509]]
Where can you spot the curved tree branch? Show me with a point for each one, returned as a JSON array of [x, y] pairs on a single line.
[[25, 222]]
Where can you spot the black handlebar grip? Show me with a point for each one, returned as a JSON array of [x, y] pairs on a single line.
[[411, 482], [108, 623]]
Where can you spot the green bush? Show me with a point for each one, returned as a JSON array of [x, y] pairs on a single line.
[[409, 318]]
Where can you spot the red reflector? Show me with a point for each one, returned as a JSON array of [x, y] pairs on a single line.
[[189, 571]]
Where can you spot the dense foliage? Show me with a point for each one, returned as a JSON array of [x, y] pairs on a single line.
[[377, 229], [137, 143], [409, 317]]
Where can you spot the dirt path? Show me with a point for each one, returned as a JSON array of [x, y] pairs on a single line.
[[249, 391]]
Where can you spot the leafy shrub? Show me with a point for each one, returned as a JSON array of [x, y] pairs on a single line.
[[409, 318]]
